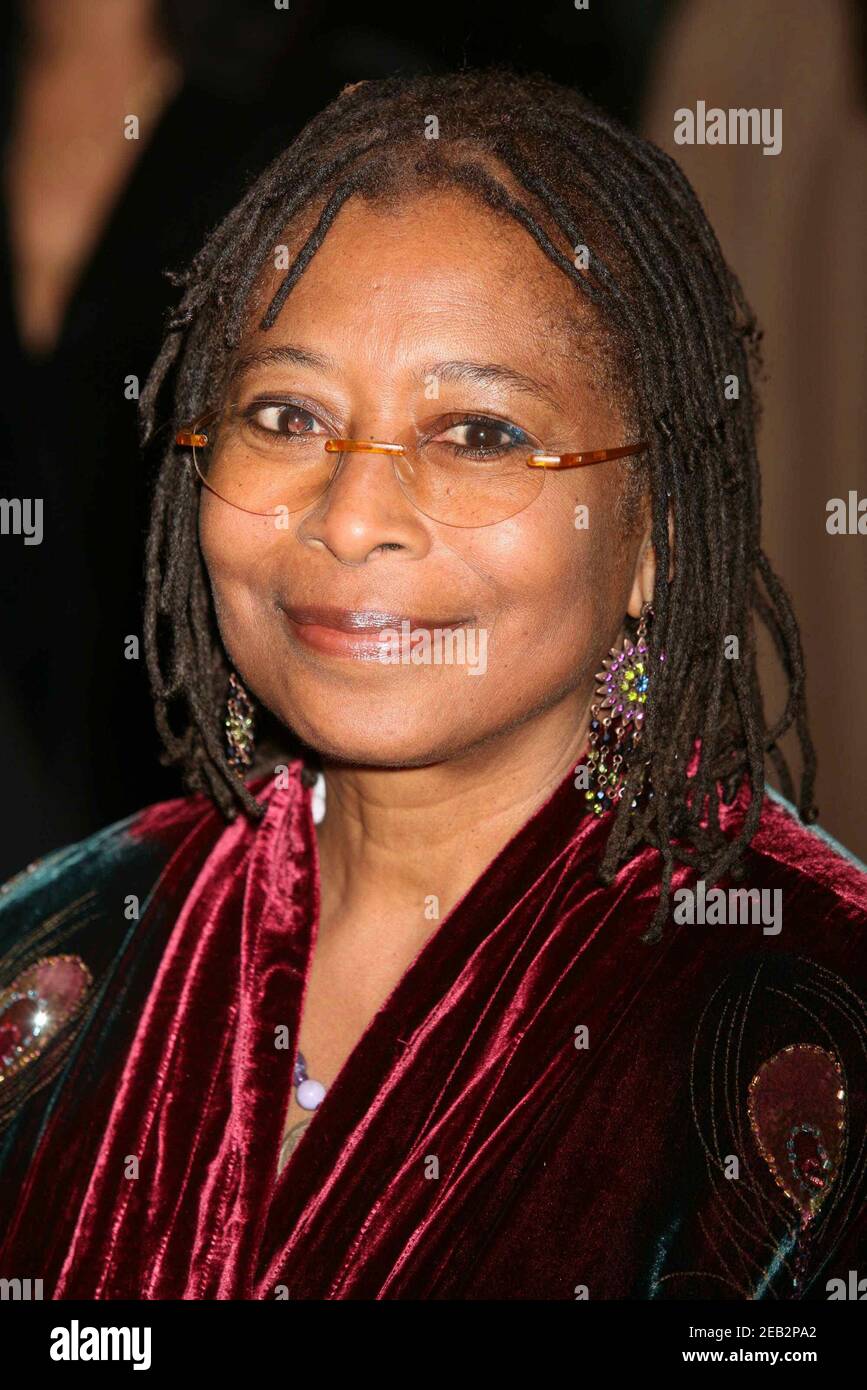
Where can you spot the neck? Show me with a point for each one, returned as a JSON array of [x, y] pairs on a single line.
[[395, 839]]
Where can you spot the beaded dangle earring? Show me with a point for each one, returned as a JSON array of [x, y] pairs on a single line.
[[239, 726], [617, 718]]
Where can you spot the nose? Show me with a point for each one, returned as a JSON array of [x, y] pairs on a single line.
[[365, 513]]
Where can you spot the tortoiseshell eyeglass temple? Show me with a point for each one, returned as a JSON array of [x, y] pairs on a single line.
[[588, 456], [191, 439]]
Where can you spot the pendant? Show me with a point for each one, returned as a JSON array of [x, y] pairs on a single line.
[[290, 1143]]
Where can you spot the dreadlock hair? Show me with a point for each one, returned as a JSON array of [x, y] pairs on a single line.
[[678, 327]]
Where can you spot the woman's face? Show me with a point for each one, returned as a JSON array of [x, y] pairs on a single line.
[[388, 299]]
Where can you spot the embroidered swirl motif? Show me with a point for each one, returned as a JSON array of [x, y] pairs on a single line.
[[797, 1110], [784, 1152]]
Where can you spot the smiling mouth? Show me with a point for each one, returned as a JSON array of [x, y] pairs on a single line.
[[359, 633]]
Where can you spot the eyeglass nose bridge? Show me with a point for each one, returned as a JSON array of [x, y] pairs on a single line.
[[375, 446], [362, 446]]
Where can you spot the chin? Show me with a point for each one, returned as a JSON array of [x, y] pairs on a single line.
[[397, 726], [363, 747], [367, 733]]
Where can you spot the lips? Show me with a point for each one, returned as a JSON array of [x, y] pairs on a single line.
[[360, 620], [356, 632]]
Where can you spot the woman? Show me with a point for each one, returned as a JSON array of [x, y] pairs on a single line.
[[549, 998]]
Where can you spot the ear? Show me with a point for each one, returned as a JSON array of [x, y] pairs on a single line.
[[644, 575]]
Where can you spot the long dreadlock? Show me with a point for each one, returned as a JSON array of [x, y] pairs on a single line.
[[570, 175]]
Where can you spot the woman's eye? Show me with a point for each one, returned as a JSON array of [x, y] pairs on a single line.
[[286, 420], [482, 436]]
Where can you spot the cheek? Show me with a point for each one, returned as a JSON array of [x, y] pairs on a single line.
[[560, 585], [236, 549]]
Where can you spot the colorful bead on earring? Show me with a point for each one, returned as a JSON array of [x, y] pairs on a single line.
[[617, 718]]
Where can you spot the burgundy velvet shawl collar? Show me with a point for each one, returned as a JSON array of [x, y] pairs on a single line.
[[201, 1099], [467, 1148]]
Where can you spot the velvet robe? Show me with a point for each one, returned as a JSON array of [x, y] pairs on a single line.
[[545, 1107]]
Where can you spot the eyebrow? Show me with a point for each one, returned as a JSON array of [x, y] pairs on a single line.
[[491, 373], [479, 373], [283, 354]]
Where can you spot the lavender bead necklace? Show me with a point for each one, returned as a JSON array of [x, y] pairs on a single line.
[[309, 1094]]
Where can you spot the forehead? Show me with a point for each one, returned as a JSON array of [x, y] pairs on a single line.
[[441, 264]]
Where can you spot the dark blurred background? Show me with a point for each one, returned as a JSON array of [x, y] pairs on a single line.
[[90, 221]]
